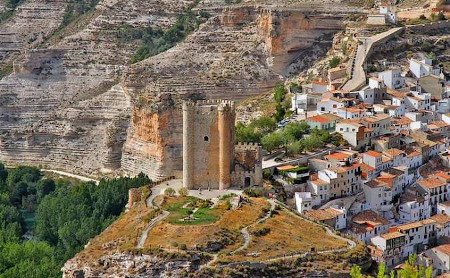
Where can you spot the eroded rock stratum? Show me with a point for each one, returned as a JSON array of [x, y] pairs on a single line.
[[72, 99]]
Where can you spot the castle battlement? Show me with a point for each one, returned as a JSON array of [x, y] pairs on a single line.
[[247, 146], [219, 102]]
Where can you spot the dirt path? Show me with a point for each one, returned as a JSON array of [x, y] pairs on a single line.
[[78, 177], [152, 224], [244, 231]]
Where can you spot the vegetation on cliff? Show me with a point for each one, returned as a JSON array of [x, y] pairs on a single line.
[[155, 41], [67, 216]]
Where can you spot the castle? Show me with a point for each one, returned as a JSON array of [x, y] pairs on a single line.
[[211, 160]]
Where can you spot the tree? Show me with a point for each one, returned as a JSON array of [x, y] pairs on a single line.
[[272, 141], [280, 112], [263, 124], [247, 134], [45, 187], [296, 147], [355, 272], [382, 271], [279, 93], [296, 130], [334, 62]]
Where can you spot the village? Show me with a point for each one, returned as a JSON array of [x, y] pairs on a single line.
[[390, 186], [387, 185]]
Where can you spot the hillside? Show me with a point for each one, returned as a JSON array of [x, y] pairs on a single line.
[[210, 243]]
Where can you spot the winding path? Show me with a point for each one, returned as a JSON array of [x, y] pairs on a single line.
[[152, 224], [244, 231]]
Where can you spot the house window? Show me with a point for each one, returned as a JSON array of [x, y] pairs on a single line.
[[206, 138]]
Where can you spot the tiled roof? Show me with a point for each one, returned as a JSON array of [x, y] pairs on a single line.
[[445, 248], [373, 153], [376, 183], [431, 182], [394, 152], [441, 219], [318, 119], [392, 235], [338, 156], [367, 168]]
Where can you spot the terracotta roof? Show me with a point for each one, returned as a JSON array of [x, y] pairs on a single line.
[[431, 182], [392, 235], [441, 219], [443, 175], [348, 168], [320, 182], [375, 183], [376, 118], [323, 214], [318, 119], [401, 121], [395, 93], [373, 153], [444, 249], [437, 124], [410, 226], [394, 152], [338, 156], [367, 168]]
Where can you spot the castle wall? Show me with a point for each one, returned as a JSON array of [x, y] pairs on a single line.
[[207, 144], [247, 165]]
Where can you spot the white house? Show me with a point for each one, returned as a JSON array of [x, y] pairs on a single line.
[[414, 206], [303, 201], [418, 101], [388, 248], [333, 217], [436, 185], [393, 78], [423, 67], [444, 208], [391, 16], [438, 258], [367, 224], [378, 195]]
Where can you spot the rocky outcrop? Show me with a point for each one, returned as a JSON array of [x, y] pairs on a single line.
[[129, 265], [239, 53], [76, 102], [62, 106]]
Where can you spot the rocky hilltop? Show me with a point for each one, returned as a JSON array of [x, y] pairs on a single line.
[[70, 98]]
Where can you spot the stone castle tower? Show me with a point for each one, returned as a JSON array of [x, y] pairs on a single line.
[[208, 144]]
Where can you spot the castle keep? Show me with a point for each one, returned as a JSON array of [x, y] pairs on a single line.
[[210, 158]]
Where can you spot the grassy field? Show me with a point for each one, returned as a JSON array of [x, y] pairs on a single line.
[[181, 208]]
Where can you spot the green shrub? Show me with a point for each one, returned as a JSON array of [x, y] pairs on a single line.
[[334, 62]]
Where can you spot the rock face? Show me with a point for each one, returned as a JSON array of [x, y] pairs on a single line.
[[128, 265], [74, 101]]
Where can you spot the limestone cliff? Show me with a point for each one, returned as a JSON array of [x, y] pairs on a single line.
[[74, 101]]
